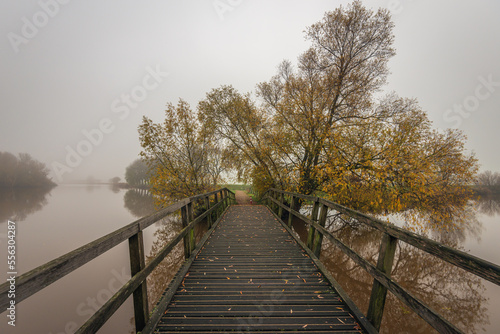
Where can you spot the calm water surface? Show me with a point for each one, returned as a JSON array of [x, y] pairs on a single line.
[[470, 303], [52, 224]]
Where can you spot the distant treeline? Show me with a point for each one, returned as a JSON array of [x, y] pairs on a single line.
[[23, 171], [488, 183]]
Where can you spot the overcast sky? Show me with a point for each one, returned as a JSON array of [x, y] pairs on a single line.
[[77, 76]]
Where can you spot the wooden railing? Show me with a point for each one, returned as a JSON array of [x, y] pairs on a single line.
[[279, 200], [212, 206]]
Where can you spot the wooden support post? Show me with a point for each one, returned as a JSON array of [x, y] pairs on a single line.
[[312, 230], [216, 212], [137, 263], [318, 240], [280, 209], [222, 200], [276, 207], [379, 292], [185, 222], [207, 207], [192, 238], [292, 207]]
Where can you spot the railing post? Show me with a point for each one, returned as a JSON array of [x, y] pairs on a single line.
[[318, 240], [223, 206], [379, 292], [276, 197], [209, 217], [137, 263], [192, 238], [312, 230], [271, 202], [292, 207], [280, 209], [185, 222], [216, 212]]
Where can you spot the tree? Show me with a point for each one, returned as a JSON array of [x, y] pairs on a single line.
[[23, 171], [137, 173], [488, 182], [239, 126], [320, 127], [488, 179], [185, 159], [114, 180]]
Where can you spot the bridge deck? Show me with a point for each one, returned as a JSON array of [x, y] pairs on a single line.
[[252, 276]]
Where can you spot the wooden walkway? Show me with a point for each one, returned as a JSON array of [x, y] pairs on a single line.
[[252, 276]]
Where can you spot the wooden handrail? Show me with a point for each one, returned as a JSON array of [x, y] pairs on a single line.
[[482, 268], [46, 274], [381, 272]]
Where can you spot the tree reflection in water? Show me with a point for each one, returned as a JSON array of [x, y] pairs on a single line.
[[489, 204], [139, 202], [160, 278], [454, 293], [18, 203]]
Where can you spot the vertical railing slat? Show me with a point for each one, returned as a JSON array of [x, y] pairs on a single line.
[[379, 292], [207, 207], [185, 222], [140, 295], [314, 218], [191, 236], [292, 207], [318, 240]]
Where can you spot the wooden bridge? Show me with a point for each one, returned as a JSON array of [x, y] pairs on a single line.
[[250, 273]]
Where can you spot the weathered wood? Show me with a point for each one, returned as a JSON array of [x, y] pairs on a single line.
[[473, 264], [424, 311], [207, 206], [343, 295], [292, 206], [176, 282], [280, 209], [318, 240], [191, 236], [137, 263], [236, 270], [46, 274], [379, 292], [482, 268], [106, 311], [185, 222], [312, 230], [222, 200], [95, 322]]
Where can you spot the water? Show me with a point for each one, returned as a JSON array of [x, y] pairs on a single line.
[[54, 223], [470, 303], [50, 224]]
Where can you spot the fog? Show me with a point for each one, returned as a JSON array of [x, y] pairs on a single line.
[[77, 77]]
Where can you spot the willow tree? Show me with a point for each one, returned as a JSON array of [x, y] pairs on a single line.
[[321, 128], [183, 159]]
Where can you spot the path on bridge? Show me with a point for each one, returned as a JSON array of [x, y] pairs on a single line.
[[242, 197], [251, 276]]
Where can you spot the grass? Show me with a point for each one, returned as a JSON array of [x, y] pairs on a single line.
[[234, 187]]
